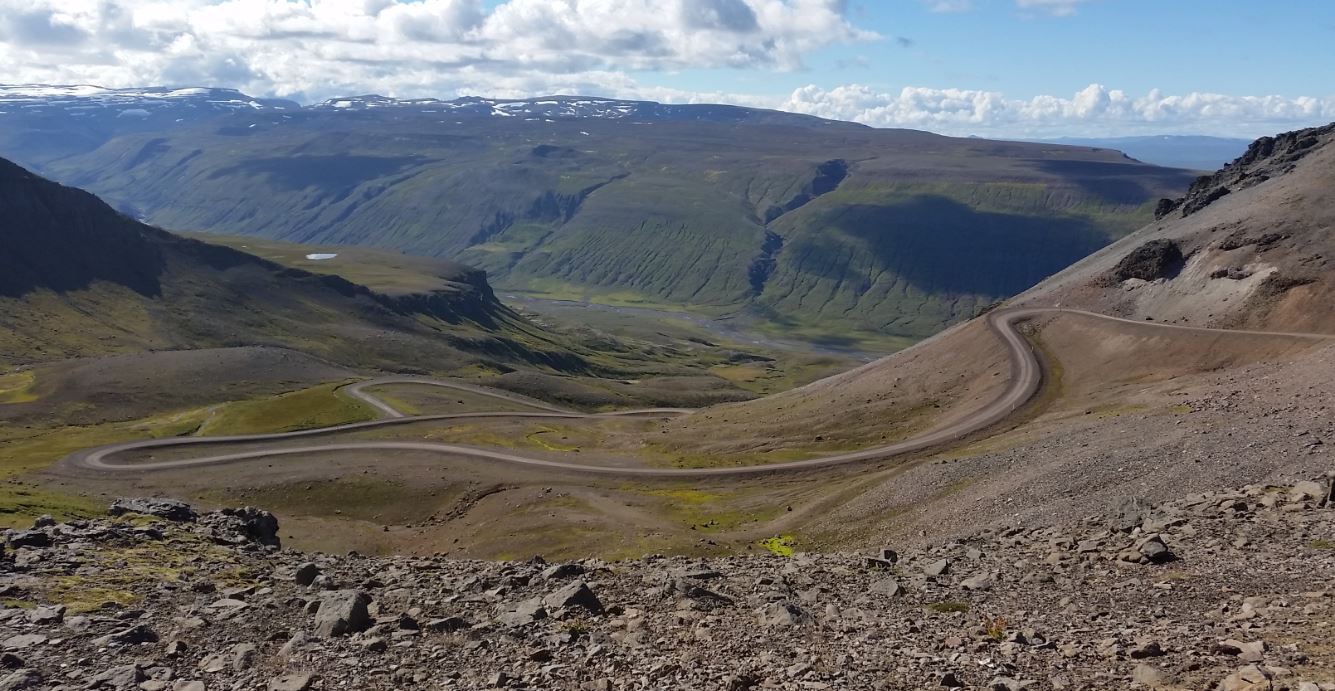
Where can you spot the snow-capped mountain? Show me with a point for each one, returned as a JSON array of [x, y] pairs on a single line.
[[92, 101], [41, 122], [181, 104], [551, 108]]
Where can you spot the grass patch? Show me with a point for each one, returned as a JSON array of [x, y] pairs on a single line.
[[16, 387], [544, 439], [21, 504], [710, 512], [421, 399], [948, 606], [122, 569], [319, 406], [781, 545], [1322, 544]]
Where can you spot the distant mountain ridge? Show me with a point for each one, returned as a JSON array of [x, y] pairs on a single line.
[[87, 101], [1193, 152]]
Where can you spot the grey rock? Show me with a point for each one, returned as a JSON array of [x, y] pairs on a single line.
[[981, 581], [23, 640], [342, 612], [937, 568], [783, 614], [700, 595], [246, 523], [525, 612], [244, 656], [1249, 678], [447, 624], [1148, 676], [887, 586], [22, 679], [134, 635], [297, 640], [123, 677], [306, 573], [169, 509], [563, 571], [1131, 513], [47, 614], [290, 682], [577, 594], [1154, 549], [30, 538], [1145, 650], [1308, 490]]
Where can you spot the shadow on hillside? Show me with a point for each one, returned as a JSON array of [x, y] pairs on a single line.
[[1117, 183], [63, 239], [941, 246]]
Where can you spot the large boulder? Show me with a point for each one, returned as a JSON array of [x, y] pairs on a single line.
[[577, 594], [169, 509], [246, 524], [1151, 261], [342, 612]]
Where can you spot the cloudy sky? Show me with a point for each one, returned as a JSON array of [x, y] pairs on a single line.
[[988, 67]]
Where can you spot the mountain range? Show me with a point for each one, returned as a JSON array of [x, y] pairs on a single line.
[[1174, 151], [792, 222]]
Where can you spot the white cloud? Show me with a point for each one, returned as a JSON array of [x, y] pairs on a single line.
[[316, 48], [1093, 110]]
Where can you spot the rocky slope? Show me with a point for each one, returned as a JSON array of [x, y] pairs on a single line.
[[1249, 246], [1226, 590]]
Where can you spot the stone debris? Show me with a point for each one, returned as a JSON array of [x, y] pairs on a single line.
[[1227, 591]]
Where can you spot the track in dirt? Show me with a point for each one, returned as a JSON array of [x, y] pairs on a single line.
[[1025, 381]]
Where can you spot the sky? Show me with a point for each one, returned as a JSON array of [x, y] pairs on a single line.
[[1001, 68]]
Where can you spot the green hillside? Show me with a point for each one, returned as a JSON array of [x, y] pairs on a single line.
[[804, 229]]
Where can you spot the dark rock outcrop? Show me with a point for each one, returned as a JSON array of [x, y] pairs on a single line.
[[169, 509], [1151, 261], [1266, 158]]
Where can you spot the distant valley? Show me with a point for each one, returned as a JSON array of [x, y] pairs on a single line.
[[787, 223]]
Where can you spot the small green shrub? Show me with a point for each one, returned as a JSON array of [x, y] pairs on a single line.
[[948, 606]]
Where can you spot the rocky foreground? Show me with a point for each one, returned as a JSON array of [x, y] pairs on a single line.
[[1229, 591]]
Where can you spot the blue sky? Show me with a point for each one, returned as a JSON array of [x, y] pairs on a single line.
[[1223, 47], [991, 67]]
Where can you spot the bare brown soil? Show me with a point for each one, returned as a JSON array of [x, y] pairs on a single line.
[[1132, 409]]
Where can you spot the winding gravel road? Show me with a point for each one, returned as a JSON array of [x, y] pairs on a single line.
[[1025, 380]]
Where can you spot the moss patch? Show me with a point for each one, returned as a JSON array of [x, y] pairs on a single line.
[[17, 387], [948, 606], [781, 545], [319, 406]]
